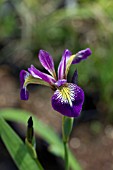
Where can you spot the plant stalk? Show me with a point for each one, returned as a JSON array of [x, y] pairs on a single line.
[[66, 155], [67, 124]]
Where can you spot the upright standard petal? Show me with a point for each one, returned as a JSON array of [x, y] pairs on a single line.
[[47, 62], [68, 100], [82, 55], [38, 74], [62, 65], [24, 95]]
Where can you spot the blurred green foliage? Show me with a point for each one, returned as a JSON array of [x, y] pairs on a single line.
[[30, 25], [96, 127], [17, 148], [11, 139]]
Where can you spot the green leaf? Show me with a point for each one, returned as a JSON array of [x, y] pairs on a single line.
[[46, 132], [16, 147]]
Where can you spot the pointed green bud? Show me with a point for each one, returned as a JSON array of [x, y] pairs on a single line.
[[30, 131], [30, 140]]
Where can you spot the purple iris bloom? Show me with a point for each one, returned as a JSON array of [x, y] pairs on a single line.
[[68, 98]]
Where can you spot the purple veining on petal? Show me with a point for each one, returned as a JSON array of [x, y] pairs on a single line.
[[61, 82], [47, 61], [82, 55], [75, 77], [38, 74], [62, 105], [24, 95], [62, 65]]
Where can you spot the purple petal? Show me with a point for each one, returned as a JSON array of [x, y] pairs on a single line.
[[62, 65], [75, 77], [24, 95], [61, 82], [47, 61], [68, 101], [38, 74], [82, 55]]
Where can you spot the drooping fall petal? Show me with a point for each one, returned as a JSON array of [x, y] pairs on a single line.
[[68, 100], [24, 95], [25, 79]]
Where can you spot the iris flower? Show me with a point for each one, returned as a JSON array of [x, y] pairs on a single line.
[[68, 97]]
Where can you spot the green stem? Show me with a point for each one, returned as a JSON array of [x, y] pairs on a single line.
[[39, 165], [33, 153], [67, 124], [66, 155]]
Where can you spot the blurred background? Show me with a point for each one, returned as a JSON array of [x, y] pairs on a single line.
[[26, 26]]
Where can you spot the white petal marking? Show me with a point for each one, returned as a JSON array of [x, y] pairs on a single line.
[[67, 94]]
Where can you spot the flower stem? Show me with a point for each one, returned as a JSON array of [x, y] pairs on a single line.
[[39, 165], [67, 124], [66, 155]]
